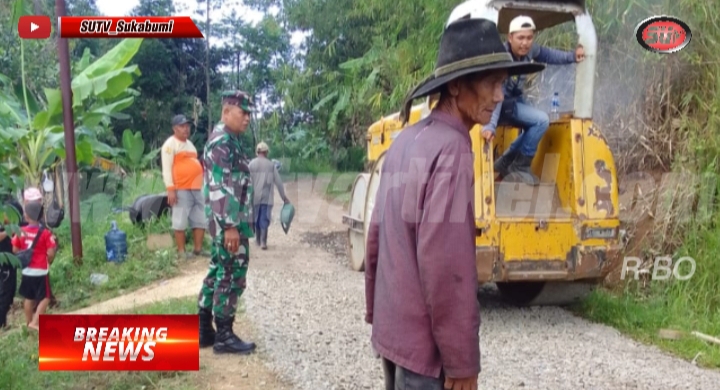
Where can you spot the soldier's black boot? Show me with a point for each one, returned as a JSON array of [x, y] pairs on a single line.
[[207, 333], [227, 342], [263, 239]]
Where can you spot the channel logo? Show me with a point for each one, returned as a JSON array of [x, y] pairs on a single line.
[[34, 27]]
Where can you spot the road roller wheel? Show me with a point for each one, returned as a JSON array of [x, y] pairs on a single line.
[[545, 293], [356, 239], [372, 188], [356, 249]]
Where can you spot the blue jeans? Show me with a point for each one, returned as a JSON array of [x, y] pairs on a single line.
[[263, 215], [534, 124]]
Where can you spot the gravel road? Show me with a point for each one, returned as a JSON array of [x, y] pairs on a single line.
[[308, 307]]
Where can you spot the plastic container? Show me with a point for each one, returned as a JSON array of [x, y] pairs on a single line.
[[115, 244]]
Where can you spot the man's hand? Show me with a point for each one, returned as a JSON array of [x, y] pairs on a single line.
[[579, 54], [232, 240], [172, 197], [461, 383], [488, 135]]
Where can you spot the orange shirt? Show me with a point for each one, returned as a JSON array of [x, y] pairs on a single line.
[[181, 168]]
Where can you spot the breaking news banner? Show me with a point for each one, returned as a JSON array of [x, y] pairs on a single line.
[[119, 343], [128, 27]]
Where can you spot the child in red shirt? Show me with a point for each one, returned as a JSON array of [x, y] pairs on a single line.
[[35, 282]]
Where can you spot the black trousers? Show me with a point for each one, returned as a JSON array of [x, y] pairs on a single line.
[[8, 285], [399, 378]]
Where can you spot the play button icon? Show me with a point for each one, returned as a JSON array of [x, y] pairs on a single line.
[[34, 27]]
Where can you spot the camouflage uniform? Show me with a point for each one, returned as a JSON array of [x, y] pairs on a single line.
[[228, 204]]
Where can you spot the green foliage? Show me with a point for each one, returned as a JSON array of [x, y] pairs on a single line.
[[100, 92], [9, 214], [42, 71], [133, 146], [172, 82], [355, 67], [673, 116], [133, 154]]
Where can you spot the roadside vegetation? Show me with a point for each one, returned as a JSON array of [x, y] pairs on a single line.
[[73, 285], [670, 126]]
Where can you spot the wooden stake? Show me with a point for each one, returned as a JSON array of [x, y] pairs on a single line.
[[706, 337]]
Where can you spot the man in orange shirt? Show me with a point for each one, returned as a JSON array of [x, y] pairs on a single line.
[[182, 174]]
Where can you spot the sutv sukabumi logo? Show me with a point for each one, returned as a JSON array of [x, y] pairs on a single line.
[[663, 34]]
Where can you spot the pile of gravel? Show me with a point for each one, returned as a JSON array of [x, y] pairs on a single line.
[[312, 326]]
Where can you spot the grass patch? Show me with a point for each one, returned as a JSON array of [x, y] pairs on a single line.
[[19, 362], [642, 319], [643, 308], [298, 165]]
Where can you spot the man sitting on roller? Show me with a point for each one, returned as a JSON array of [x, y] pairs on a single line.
[[514, 110]]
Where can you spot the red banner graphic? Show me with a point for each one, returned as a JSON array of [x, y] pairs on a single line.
[[119, 343], [128, 27]]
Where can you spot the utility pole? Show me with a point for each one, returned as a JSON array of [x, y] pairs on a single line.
[[70, 160], [207, 68]]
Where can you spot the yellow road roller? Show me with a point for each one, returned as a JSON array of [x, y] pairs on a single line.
[[549, 244]]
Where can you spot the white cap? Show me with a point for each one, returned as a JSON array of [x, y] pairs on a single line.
[[521, 23], [32, 194]]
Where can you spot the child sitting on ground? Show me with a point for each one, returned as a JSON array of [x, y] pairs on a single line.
[[35, 282]]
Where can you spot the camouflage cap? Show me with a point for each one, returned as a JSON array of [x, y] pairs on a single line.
[[239, 98]]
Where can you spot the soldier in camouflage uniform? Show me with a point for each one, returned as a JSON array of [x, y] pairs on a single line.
[[228, 197]]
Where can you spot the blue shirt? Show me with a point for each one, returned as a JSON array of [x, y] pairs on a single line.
[[513, 86]]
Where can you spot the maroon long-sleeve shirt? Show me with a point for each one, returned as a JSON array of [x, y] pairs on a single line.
[[420, 278]]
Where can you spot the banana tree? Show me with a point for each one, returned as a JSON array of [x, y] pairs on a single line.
[[8, 184], [133, 156], [101, 90]]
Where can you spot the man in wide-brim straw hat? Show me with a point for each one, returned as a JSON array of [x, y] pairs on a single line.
[[421, 280]]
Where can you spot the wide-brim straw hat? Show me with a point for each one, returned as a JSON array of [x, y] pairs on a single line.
[[468, 46]]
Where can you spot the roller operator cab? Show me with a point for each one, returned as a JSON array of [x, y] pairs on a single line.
[[546, 244]]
